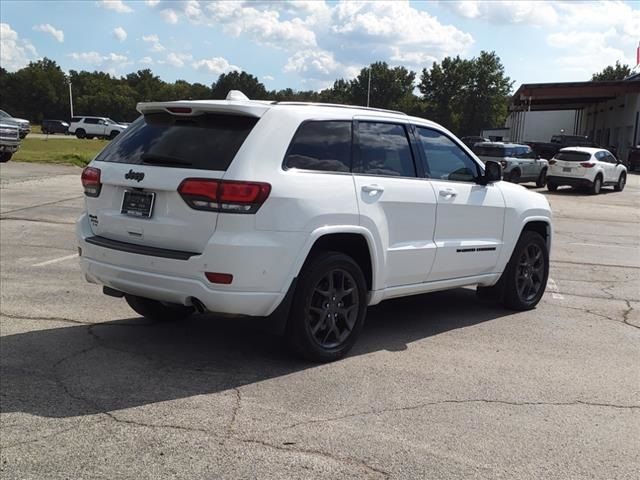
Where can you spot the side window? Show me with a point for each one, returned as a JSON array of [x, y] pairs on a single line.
[[321, 145], [611, 158], [445, 160], [75, 119], [91, 121], [601, 156], [384, 150]]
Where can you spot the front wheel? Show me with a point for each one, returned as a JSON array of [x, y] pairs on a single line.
[[80, 133], [158, 311], [525, 277], [329, 308], [622, 181], [113, 135], [5, 156], [542, 178], [514, 176]]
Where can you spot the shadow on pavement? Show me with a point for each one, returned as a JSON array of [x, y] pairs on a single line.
[[82, 370]]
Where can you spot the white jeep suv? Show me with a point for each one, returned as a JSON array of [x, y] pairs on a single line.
[[90, 127], [306, 213], [585, 167]]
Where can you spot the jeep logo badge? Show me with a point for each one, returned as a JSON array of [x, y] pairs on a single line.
[[131, 175]]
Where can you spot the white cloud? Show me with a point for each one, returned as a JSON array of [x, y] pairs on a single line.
[[591, 36], [51, 30], [506, 12], [215, 65], [335, 38], [15, 53], [268, 78], [120, 34], [177, 59], [115, 5], [112, 63], [169, 15], [152, 3], [146, 61], [156, 46]]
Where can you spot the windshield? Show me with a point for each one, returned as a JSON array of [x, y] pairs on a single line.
[[572, 156], [208, 142], [4, 114]]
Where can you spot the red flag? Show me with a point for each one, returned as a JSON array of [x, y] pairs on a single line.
[[638, 54]]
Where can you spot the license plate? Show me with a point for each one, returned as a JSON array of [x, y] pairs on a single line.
[[566, 169], [137, 204]]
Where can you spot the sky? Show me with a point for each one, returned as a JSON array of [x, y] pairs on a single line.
[[308, 44]]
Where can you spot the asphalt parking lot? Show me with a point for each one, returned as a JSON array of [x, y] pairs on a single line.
[[439, 386]]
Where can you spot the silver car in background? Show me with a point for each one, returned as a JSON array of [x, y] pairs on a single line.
[[9, 140], [519, 162]]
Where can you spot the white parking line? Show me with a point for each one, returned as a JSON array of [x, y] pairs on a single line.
[[553, 288], [55, 260]]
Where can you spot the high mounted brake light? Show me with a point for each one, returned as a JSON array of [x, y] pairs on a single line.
[[223, 195], [91, 181], [181, 110]]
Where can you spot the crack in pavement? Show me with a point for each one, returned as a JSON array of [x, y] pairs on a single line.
[[625, 315], [623, 321], [234, 412], [309, 451], [465, 401], [41, 205], [582, 264], [45, 319], [36, 220], [45, 437]]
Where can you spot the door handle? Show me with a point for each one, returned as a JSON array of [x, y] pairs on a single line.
[[372, 188], [448, 193]]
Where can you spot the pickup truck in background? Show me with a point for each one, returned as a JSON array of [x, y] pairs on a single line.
[[549, 149], [9, 140]]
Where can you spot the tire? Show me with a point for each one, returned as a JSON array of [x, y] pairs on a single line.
[[80, 133], [5, 157], [322, 327], [542, 178], [158, 311], [525, 277], [622, 181], [113, 134], [596, 186], [514, 176], [552, 187]]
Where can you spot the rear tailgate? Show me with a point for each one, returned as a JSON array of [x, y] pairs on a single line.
[[141, 171], [568, 163]]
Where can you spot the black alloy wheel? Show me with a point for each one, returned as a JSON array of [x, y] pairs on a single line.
[[531, 272], [329, 307], [332, 309], [525, 278]]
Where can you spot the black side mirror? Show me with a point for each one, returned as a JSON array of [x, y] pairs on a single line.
[[492, 173], [538, 157]]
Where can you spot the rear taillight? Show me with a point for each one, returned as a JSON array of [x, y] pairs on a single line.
[[91, 181], [223, 195], [587, 164], [552, 162]]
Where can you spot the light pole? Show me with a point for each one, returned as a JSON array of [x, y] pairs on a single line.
[[369, 87], [70, 99]]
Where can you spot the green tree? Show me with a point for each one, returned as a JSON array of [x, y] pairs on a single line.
[[466, 95], [616, 72], [388, 85], [243, 81]]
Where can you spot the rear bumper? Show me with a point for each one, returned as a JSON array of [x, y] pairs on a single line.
[[260, 279], [178, 290], [571, 181]]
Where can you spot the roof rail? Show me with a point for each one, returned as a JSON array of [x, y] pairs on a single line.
[[338, 105]]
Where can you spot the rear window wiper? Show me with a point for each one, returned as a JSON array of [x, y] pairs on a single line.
[[154, 159]]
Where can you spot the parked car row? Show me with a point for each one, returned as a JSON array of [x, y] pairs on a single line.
[[24, 127], [577, 166]]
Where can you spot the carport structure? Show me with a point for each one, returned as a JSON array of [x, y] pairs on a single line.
[[607, 112]]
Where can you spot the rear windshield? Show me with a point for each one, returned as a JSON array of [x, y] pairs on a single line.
[[203, 142], [488, 151], [572, 156]]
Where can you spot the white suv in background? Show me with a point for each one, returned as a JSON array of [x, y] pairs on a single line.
[[586, 167], [307, 213], [90, 127]]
